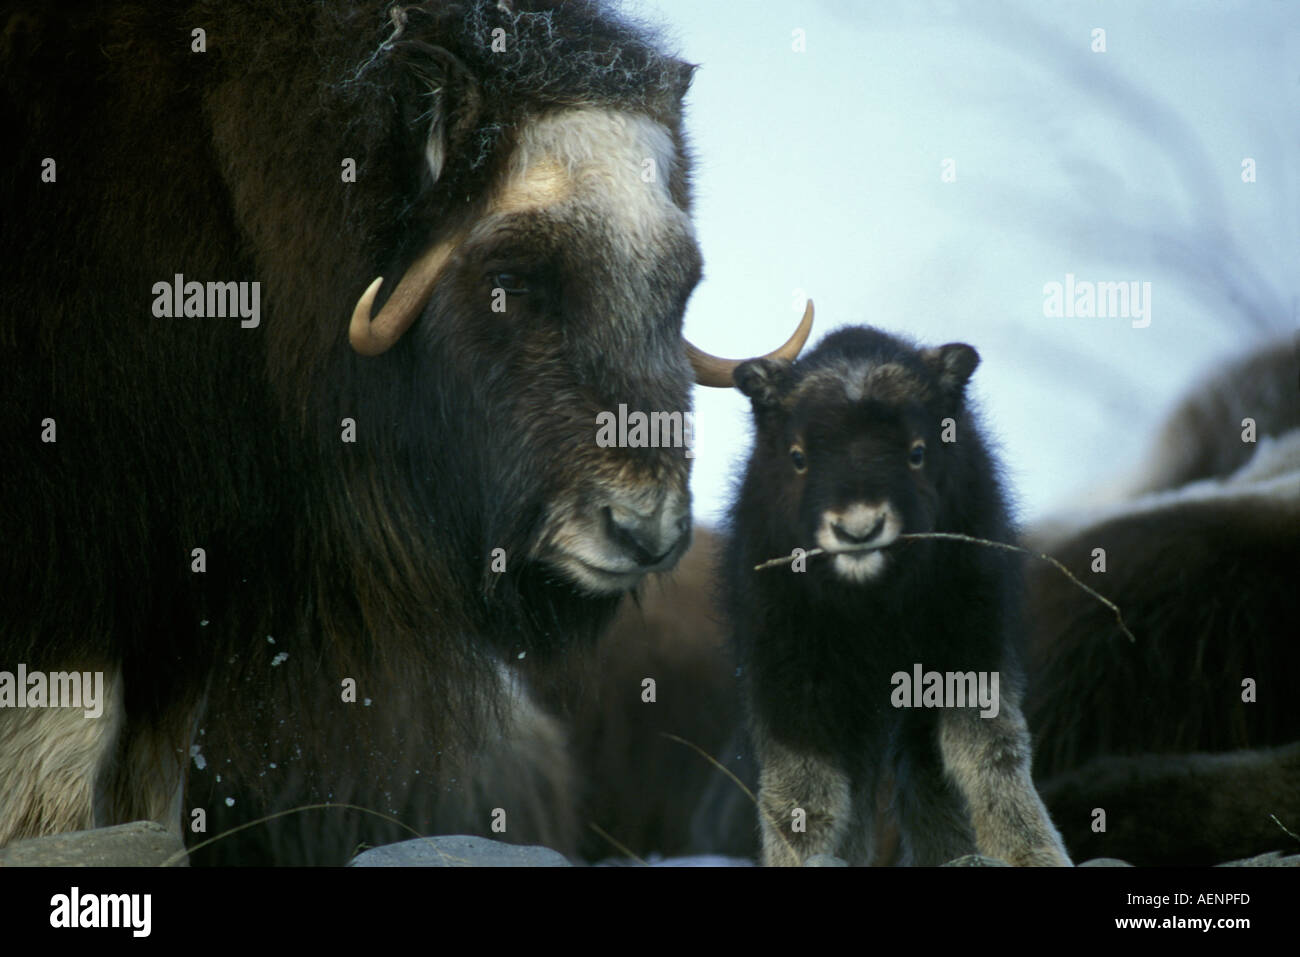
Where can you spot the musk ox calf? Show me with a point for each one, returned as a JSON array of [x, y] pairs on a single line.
[[869, 664]]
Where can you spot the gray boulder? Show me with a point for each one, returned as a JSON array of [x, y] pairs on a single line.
[[458, 851], [138, 844]]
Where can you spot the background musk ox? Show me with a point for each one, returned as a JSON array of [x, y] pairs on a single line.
[[1202, 555], [347, 499], [851, 448]]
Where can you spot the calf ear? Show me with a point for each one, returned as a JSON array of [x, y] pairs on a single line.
[[765, 381], [952, 365]]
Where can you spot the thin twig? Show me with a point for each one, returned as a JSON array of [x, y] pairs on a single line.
[[1284, 827], [955, 537], [179, 855], [621, 847]]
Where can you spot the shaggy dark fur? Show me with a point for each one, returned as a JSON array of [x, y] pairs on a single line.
[[367, 561], [1207, 590], [592, 752], [1175, 810], [818, 650], [524, 767]]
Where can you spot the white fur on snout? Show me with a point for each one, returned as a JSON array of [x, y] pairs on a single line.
[[858, 519]]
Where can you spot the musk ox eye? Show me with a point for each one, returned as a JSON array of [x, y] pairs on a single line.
[[799, 459], [512, 283], [916, 455]]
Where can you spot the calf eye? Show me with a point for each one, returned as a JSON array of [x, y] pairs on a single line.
[[799, 459], [916, 456], [513, 283]]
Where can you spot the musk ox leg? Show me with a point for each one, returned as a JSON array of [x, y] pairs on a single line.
[[804, 804], [51, 761], [989, 761], [145, 780]]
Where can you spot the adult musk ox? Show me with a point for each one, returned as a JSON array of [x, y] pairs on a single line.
[[352, 480], [865, 439]]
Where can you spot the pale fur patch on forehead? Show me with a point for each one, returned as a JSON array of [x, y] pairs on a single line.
[[545, 183], [618, 162], [882, 382]]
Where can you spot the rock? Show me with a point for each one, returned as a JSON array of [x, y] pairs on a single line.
[[139, 844], [1271, 859], [458, 851], [977, 860], [825, 860], [1105, 862]]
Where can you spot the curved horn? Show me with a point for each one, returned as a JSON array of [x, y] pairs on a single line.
[[716, 373], [370, 337]]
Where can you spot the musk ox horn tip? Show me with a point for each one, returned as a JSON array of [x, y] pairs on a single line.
[[360, 335], [716, 372], [370, 337]]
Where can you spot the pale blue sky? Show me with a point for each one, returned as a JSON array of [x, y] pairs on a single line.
[[820, 172]]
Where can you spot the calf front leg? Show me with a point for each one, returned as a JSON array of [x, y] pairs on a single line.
[[804, 803], [989, 761]]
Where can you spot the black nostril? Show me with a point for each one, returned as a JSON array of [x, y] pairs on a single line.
[[641, 537], [848, 538]]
